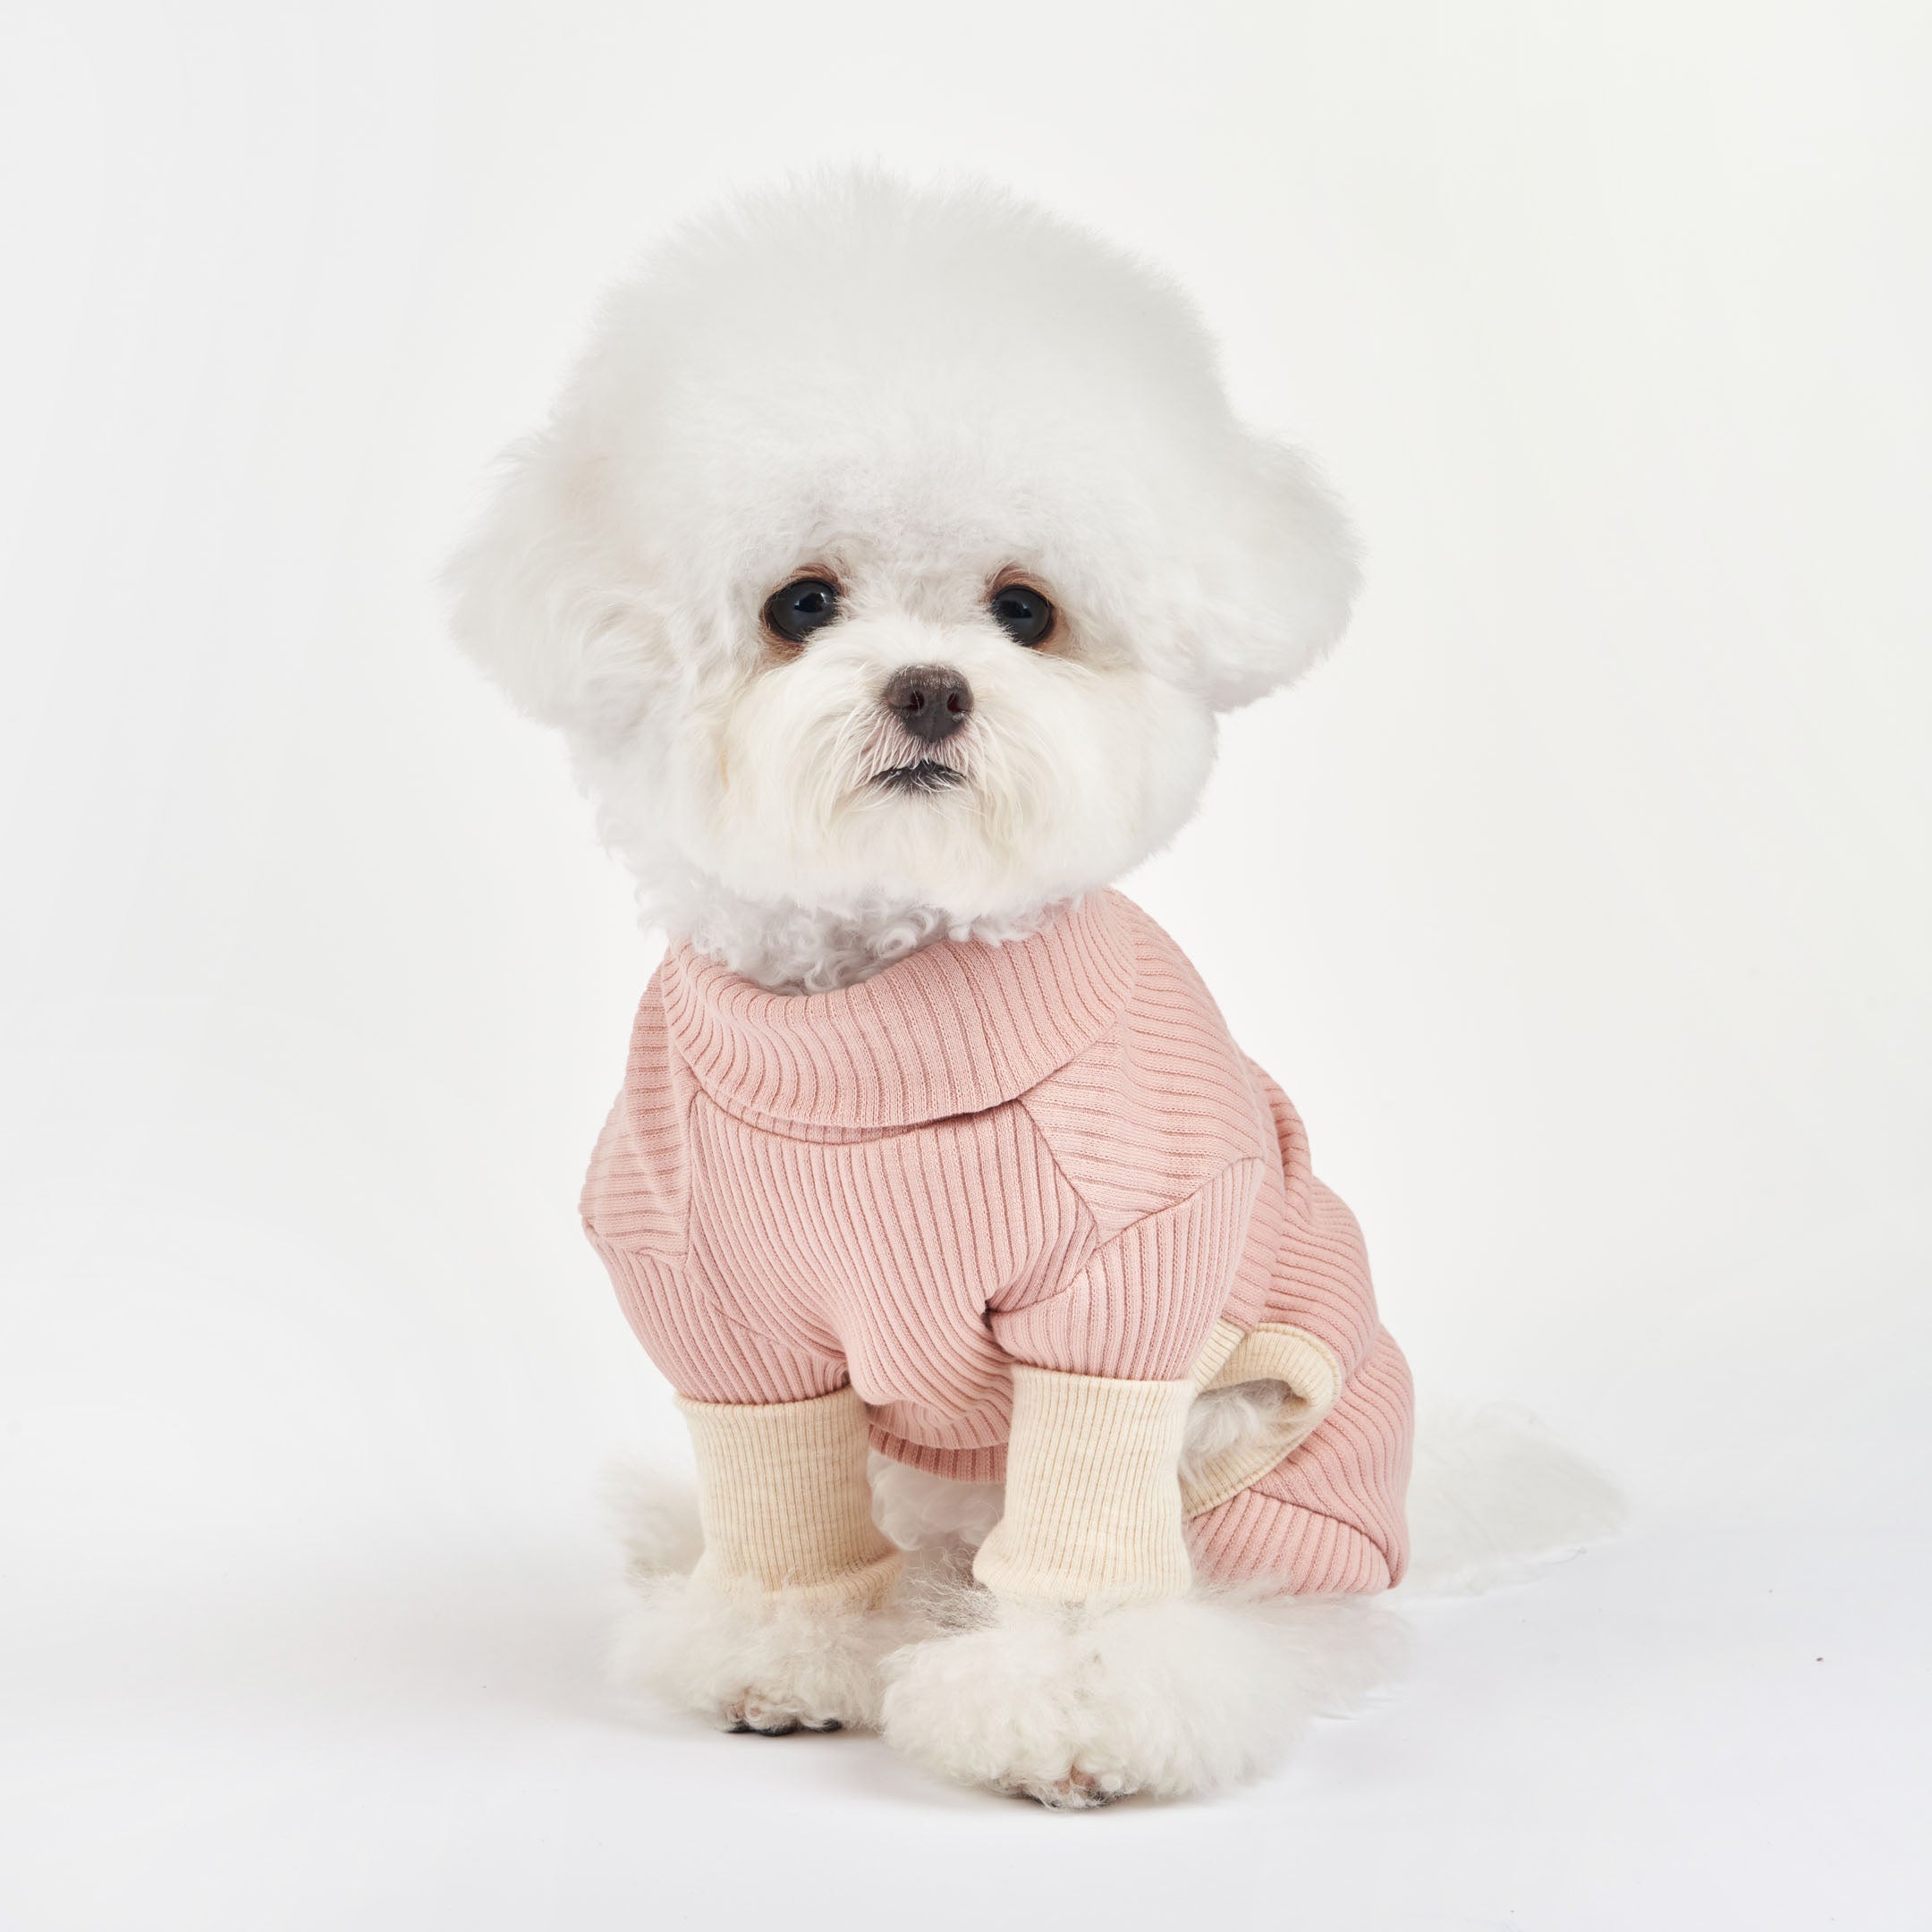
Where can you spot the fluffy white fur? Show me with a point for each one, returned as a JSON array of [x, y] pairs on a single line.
[[1076, 1709], [756, 1664], [742, 1664], [913, 393], [1494, 1497]]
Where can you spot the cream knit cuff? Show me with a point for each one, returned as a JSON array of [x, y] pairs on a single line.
[[1093, 1499], [1311, 1384], [783, 1496]]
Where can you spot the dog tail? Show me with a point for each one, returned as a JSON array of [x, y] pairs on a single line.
[[1494, 1498]]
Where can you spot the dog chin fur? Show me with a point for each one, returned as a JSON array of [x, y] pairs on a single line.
[[789, 947]]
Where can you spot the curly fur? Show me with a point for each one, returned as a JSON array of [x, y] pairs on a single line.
[[743, 1663], [749, 1663], [903, 423], [920, 1511], [1076, 1709], [1223, 1417]]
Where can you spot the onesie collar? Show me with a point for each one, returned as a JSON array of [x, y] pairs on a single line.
[[956, 1027]]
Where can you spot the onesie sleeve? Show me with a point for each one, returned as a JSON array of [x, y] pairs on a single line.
[[1103, 1380], [1141, 1307], [704, 1354]]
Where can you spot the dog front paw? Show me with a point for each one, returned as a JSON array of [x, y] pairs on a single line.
[[1078, 1791], [769, 1714], [1030, 1704], [1075, 1708], [756, 1664]]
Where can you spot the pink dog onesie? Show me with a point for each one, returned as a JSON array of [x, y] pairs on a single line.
[[1027, 1195]]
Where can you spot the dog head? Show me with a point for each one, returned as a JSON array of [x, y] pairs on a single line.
[[891, 551]]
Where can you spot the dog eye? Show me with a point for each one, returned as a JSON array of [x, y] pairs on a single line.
[[800, 608], [1022, 613]]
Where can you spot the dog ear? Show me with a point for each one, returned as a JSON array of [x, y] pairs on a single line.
[[538, 599], [1277, 577]]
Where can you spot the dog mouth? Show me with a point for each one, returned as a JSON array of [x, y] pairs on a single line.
[[923, 774]]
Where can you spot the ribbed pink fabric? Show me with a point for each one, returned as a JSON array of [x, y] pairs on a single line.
[[1048, 1152]]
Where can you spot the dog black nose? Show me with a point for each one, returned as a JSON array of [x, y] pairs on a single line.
[[930, 700]]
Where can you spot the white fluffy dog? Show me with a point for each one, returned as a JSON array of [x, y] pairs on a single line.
[[886, 563]]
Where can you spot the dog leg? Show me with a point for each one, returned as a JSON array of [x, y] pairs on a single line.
[[759, 1662], [785, 1622], [1180, 1697], [1091, 1532], [1094, 1669]]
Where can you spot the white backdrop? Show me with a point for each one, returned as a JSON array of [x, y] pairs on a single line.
[[1611, 323]]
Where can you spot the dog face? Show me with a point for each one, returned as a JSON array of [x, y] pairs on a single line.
[[896, 549]]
